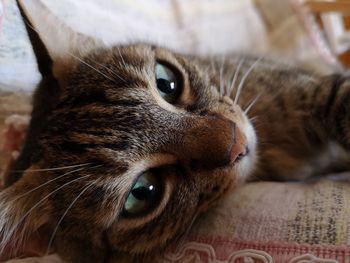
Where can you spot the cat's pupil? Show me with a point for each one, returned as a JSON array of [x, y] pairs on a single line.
[[167, 81], [144, 195], [144, 192], [165, 86]]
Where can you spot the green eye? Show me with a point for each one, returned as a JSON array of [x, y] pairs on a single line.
[[167, 83], [144, 195]]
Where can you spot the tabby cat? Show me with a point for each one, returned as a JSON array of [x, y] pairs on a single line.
[[128, 145]]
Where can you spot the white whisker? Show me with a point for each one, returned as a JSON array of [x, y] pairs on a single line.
[[90, 66], [64, 214], [251, 104], [235, 76], [120, 54], [54, 179], [109, 70], [253, 119], [84, 62], [221, 83], [10, 233], [239, 89], [52, 169]]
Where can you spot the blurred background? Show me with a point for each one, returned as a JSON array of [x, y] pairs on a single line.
[[311, 33]]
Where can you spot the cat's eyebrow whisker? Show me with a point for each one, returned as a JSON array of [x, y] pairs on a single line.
[[52, 169], [240, 86], [235, 76], [8, 234], [109, 70], [251, 104], [90, 66], [81, 60], [64, 214]]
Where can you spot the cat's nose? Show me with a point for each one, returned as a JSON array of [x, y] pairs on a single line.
[[213, 143], [239, 149]]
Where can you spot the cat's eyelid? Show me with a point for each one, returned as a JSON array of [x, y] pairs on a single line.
[[186, 97], [149, 162], [152, 161], [161, 102]]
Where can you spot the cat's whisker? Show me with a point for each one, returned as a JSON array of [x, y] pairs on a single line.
[[121, 56], [221, 73], [8, 234], [221, 82], [90, 66], [54, 179], [81, 60], [227, 87], [252, 103], [212, 64], [235, 76], [253, 119], [52, 169], [109, 70], [240, 86], [64, 214], [183, 236]]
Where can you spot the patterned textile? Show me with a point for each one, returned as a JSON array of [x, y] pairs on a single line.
[[273, 222]]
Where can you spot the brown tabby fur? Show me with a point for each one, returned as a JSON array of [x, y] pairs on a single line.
[[105, 112]]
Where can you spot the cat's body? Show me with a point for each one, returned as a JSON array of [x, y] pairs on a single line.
[[170, 127]]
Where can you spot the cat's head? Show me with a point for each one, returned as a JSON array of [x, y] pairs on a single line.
[[143, 142]]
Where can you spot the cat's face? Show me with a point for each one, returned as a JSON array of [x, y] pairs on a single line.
[[155, 145]]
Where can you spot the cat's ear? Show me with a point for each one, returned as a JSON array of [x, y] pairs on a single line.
[[57, 46]]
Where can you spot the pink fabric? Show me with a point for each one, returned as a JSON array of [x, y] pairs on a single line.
[[271, 222], [218, 249], [314, 32]]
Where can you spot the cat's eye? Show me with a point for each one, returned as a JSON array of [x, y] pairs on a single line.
[[168, 82], [144, 195]]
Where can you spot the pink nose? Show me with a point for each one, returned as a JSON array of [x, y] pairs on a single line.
[[239, 148]]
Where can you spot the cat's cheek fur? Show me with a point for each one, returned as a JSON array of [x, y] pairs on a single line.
[[24, 217]]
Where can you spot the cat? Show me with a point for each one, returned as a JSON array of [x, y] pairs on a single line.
[[128, 145]]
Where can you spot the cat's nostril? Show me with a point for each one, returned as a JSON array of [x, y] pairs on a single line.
[[243, 154], [239, 148], [238, 153]]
